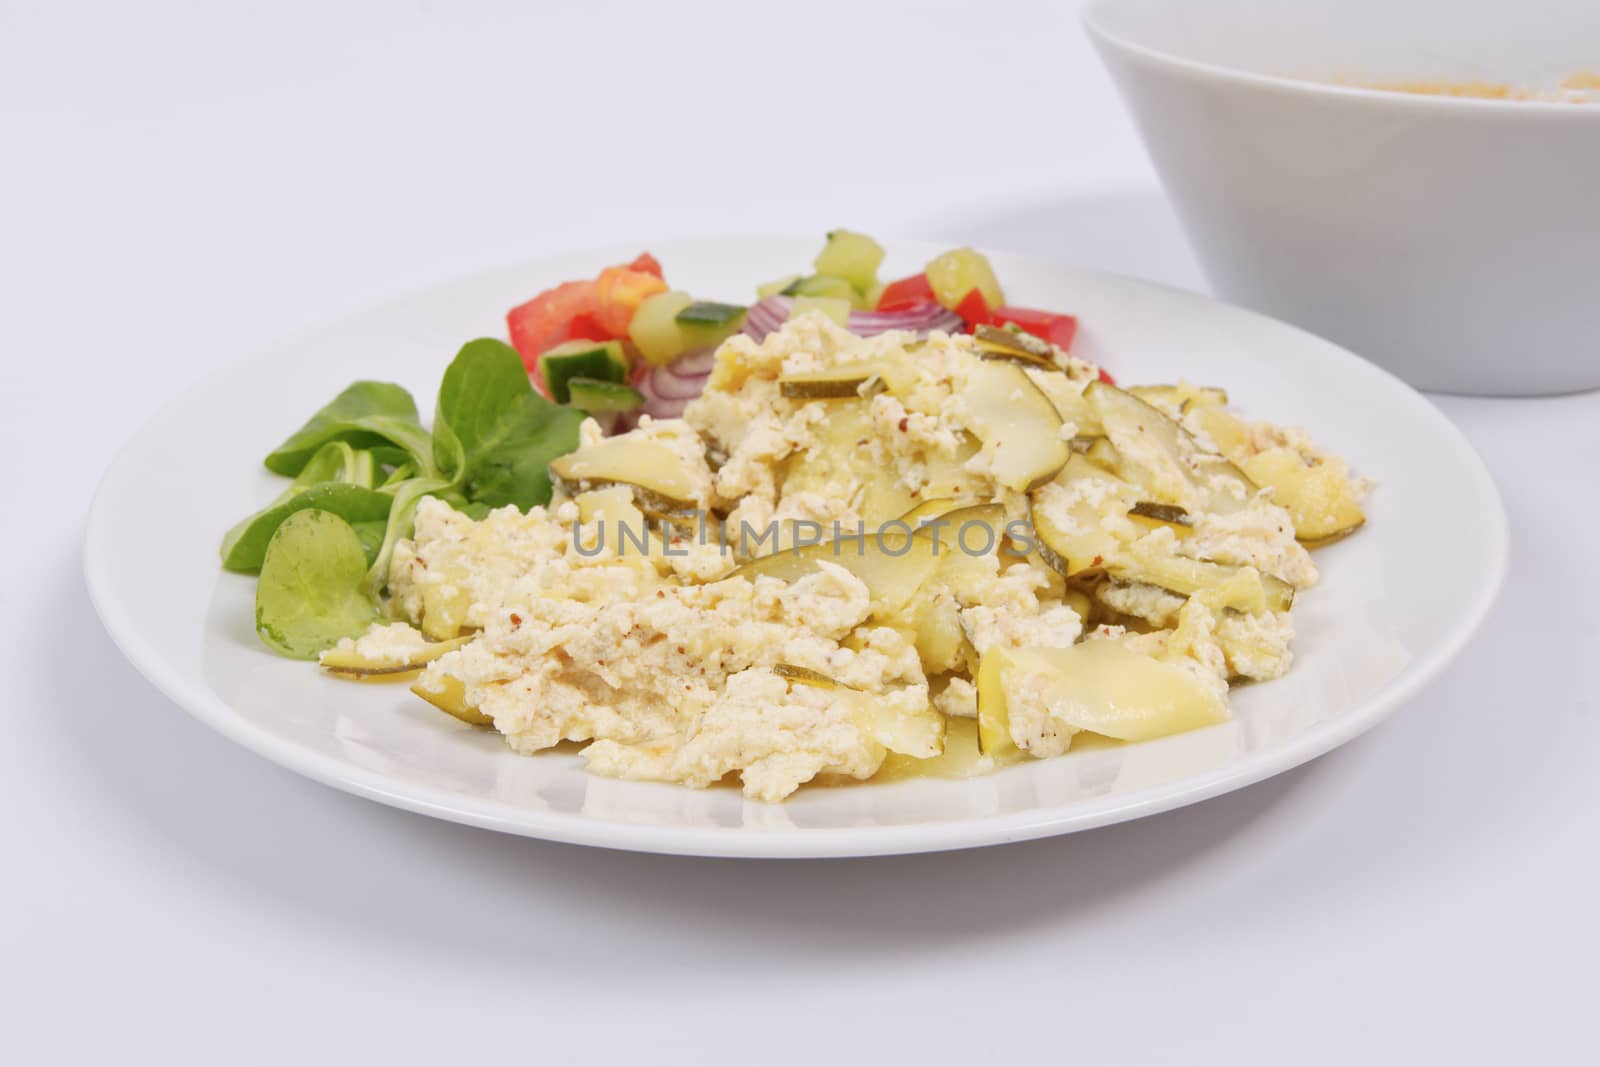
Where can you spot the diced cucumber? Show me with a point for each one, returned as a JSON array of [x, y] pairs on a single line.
[[836, 308], [822, 285], [852, 256], [598, 360], [709, 313], [591, 395], [706, 324], [958, 272], [654, 330], [776, 287]]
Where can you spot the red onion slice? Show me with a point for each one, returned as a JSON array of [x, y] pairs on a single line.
[[668, 389], [771, 313]]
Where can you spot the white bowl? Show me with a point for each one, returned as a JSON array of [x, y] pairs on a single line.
[[1456, 241]]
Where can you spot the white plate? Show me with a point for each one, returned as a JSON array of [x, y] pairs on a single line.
[[1396, 602]]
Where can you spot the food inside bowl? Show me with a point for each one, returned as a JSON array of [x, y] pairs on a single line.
[[1579, 88]]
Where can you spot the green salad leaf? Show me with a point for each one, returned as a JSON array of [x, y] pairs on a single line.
[[405, 495], [337, 461], [311, 592], [365, 415], [493, 435], [244, 548], [360, 466]]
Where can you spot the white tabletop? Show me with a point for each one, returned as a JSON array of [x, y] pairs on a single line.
[[184, 185]]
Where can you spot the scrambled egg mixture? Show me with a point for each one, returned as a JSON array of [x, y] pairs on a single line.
[[709, 596]]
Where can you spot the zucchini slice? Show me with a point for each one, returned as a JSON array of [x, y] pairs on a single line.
[[994, 721], [928, 510], [840, 382], [1149, 513], [662, 487], [351, 664], [806, 676], [1017, 421], [993, 342], [1077, 538], [1182, 396], [1160, 455], [1316, 491], [892, 568], [447, 693], [1221, 585]]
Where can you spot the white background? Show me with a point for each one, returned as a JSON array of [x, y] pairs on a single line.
[[183, 183]]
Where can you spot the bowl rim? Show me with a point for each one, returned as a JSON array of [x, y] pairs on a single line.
[[1104, 38]]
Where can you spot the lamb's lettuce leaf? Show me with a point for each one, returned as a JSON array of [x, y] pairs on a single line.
[[493, 435], [402, 516], [311, 592], [366, 415], [361, 465], [244, 548]]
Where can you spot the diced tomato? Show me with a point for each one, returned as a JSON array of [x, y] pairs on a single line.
[[585, 328], [974, 310], [598, 310], [645, 263], [905, 293], [549, 318], [1105, 376], [1059, 330], [618, 293]]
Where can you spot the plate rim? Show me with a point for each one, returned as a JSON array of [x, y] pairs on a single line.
[[795, 843]]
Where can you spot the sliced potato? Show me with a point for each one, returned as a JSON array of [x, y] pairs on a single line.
[[663, 487], [447, 693], [918, 734], [1154, 451], [349, 663], [960, 758], [1018, 423], [1108, 689]]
